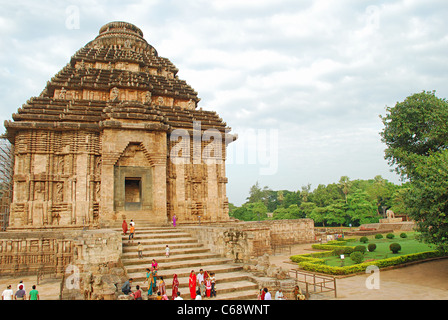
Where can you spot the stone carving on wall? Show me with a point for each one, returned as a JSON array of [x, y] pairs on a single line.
[[115, 94]]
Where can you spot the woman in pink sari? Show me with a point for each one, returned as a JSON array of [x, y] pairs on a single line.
[[154, 264], [175, 287], [174, 220]]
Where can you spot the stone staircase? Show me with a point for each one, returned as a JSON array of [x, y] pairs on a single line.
[[186, 254]]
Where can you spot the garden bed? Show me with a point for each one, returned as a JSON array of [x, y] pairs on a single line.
[[329, 260]]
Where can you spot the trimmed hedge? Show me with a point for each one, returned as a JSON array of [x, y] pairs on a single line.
[[308, 263]]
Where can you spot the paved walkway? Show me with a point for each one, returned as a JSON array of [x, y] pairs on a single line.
[[428, 280]]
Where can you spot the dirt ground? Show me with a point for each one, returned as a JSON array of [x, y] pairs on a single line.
[[423, 281]]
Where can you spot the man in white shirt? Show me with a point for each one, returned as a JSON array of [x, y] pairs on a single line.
[[267, 295], [279, 295], [7, 293], [200, 277]]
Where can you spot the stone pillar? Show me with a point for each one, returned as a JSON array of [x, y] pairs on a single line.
[[159, 190]]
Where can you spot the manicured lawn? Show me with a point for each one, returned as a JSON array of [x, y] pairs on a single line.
[[408, 245]]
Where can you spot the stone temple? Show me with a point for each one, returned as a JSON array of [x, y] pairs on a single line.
[[116, 131], [117, 135]]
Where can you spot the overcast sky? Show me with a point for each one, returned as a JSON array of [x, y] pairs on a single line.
[[302, 82]]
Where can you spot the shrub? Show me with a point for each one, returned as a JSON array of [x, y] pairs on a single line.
[[395, 247], [357, 257], [358, 268], [371, 247], [363, 239], [361, 249], [403, 235], [379, 236], [390, 236]]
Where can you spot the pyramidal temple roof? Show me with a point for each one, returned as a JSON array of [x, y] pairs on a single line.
[[117, 78]]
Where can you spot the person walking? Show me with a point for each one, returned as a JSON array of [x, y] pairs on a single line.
[[34, 294], [267, 294], [174, 220], [162, 287], [124, 227], [131, 232], [7, 294], [175, 287], [20, 294], [153, 282], [140, 250], [167, 251]]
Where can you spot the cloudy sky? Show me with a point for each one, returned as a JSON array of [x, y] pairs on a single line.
[[302, 82]]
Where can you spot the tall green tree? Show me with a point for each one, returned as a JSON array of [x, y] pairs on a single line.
[[416, 135], [345, 185]]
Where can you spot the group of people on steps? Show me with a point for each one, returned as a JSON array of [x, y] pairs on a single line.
[[203, 285]]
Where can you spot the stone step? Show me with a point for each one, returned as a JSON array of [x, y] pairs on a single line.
[[160, 243], [188, 264], [150, 236], [158, 253], [174, 258]]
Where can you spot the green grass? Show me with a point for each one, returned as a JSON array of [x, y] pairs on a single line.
[[408, 245]]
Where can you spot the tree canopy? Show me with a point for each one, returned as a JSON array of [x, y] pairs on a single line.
[[347, 202], [416, 135]]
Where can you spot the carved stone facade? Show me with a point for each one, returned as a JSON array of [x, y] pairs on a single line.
[[245, 241], [101, 139]]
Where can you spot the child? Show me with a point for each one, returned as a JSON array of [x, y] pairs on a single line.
[[202, 289], [131, 232], [213, 280], [167, 251], [140, 250]]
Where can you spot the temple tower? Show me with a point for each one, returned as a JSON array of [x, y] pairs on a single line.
[[116, 133]]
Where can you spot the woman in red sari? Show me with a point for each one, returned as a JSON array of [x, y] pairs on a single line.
[[192, 284], [208, 284], [124, 226], [175, 287]]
